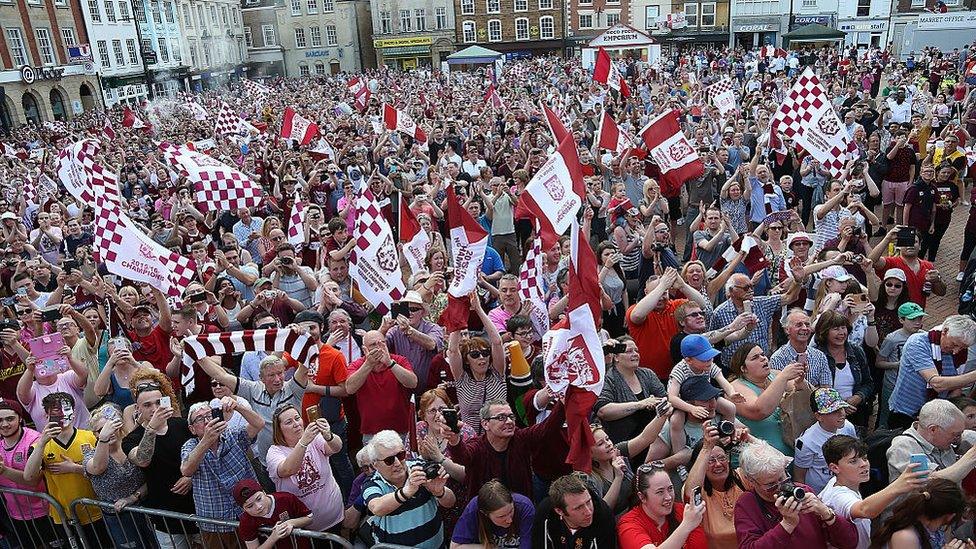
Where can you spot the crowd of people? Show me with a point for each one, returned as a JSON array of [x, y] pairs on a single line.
[[813, 400]]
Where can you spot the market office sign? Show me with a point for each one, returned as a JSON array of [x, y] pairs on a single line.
[[29, 74], [953, 20]]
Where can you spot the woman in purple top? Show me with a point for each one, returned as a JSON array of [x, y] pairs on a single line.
[[495, 518], [765, 518]]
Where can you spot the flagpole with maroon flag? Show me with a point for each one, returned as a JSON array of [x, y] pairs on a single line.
[[556, 192], [556, 126], [668, 147], [605, 72], [574, 361], [414, 238], [468, 243]]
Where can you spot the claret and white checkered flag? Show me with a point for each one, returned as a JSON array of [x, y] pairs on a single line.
[[375, 263], [722, 94], [217, 186], [531, 280], [228, 122]]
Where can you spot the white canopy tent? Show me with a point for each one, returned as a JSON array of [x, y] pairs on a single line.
[[621, 38]]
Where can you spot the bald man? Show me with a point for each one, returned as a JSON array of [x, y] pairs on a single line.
[[382, 384]]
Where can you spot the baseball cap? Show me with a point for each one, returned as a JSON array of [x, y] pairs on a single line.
[[697, 346], [142, 309], [413, 296], [828, 401], [895, 273], [7, 215], [911, 311], [244, 489], [698, 388], [261, 281], [837, 273], [12, 405], [796, 237]]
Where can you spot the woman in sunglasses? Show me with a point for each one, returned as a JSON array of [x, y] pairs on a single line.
[[298, 463], [478, 366], [655, 520]]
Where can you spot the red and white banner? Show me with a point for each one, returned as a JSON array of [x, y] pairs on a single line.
[[573, 351], [107, 130], [605, 72], [360, 92], [130, 120], [612, 137], [722, 95], [199, 113], [468, 242], [296, 223], [556, 126], [807, 116], [297, 127], [395, 119], [323, 149], [554, 195], [374, 263], [532, 284], [217, 186], [494, 99], [770, 50], [672, 152], [415, 240], [12, 152]]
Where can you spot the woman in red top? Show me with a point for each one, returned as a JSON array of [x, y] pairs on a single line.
[[656, 520]]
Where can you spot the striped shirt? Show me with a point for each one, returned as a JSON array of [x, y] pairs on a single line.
[[216, 476], [910, 387], [473, 394], [818, 375], [416, 523], [764, 307]]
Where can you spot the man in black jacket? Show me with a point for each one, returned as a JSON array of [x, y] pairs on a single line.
[[573, 517]]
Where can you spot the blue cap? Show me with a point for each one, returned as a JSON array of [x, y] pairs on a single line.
[[697, 347]]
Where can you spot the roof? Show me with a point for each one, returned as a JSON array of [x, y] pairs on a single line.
[[814, 31], [473, 54]]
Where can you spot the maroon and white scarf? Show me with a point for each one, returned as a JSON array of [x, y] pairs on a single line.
[[935, 341]]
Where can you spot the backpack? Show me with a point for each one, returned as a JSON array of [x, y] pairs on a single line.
[[967, 291], [878, 443]]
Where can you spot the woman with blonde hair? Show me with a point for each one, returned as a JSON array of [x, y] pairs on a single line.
[[265, 244], [652, 203]]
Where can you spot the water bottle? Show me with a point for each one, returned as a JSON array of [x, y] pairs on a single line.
[[967, 296], [927, 288]]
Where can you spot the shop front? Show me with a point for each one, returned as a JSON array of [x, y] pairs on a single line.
[[405, 53], [755, 32], [623, 41], [130, 89], [865, 33], [46, 94]]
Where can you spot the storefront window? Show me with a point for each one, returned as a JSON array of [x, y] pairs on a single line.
[[57, 106], [31, 111]]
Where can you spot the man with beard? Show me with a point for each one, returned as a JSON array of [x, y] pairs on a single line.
[[799, 330], [917, 271]]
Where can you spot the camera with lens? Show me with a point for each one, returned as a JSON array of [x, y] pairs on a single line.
[[725, 427], [658, 246], [432, 469], [614, 348], [790, 490]]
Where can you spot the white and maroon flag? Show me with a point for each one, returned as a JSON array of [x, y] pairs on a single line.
[[107, 130], [770, 50], [217, 186], [468, 243], [374, 263], [199, 113], [323, 149], [807, 116], [532, 286], [668, 147], [395, 119], [555, 193], [493, 98], [297, 127], [606, 73], [612, 137], [228, 122], [360, 91], [12, 152], [255, 88], [296, 223], [130, 120], [722, 95], [573, 351], [415, 240], [556, 126]]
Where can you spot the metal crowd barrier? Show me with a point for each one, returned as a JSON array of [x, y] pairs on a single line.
[[35, 526]]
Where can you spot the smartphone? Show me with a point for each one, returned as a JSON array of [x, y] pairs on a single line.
[[50, 315], [802, 358], [661, 407], [199, 297], [923, 462], [313, 413], [166, 402], [70, 265], [696, 495], [747, 306], [451, 419], [217, 412], [905, 237], [400, 309], [860, 298]]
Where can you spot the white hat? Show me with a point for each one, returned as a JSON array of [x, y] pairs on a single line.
[[895, 273]]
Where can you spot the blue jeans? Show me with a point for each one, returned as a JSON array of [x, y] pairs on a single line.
[[129, 530]]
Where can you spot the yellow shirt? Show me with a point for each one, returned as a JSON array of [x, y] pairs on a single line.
[[67, 487]]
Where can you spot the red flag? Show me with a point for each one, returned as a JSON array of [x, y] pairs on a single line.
[[612, 137], [605, 72], [468, 241], [297, 127], [107, 129], [130, 120], [415, 239], [360, 91], [556, 192], [492, 98], [559, 131], [672, 152], [395, 119]]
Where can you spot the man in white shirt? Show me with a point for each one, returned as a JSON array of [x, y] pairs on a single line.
[[472, 164], [900, 107]]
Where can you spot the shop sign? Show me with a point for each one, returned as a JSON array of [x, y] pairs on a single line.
[[316, 53], [755, 28], [403, 42], [29, 74], [863, 26], [800, 20], [951, 20]]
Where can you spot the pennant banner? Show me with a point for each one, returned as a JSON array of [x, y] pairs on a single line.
[[374, 263]]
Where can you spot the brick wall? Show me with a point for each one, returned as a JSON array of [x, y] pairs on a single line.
[[507, 17]]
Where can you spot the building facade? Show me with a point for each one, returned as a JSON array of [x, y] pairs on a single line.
[[697, 22], [322, 37], [39, 82], [265, 56], [917, 23], [756, 24], [115, 51], [587, 19], [517, 28], [212, 42], [160, 34], [413, 33], [866, 22]]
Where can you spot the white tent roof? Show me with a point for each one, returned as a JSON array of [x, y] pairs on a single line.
[[621, 36]]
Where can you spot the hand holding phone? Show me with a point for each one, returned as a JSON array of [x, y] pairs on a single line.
[[923, 462]]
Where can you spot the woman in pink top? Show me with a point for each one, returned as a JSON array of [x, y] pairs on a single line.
[[28, 515], [298, 463]]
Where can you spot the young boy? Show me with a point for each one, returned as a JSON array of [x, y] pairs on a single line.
[[911, 316], [831, 410], [698, 354], [281, 511], [847, 458]]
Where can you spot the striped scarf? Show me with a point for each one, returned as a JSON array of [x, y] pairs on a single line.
[[958, 359], [299, 346], [755, 259]]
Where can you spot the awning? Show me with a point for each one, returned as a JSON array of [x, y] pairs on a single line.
[[814, 32], [404, 51], [473, 55]]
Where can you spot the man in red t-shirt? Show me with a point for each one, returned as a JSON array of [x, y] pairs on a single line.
[[917, 271], [151, 342], [382, 384], [279, 511]]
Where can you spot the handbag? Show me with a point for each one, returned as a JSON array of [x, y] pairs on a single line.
[[795, 413]]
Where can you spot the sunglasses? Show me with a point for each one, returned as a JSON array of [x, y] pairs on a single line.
[[266, 327], [147, 386], [415, 309], [399, 456], [214, 383], [695, 313], [479, 354], [650, 466], [893, 285], [776, 227]]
